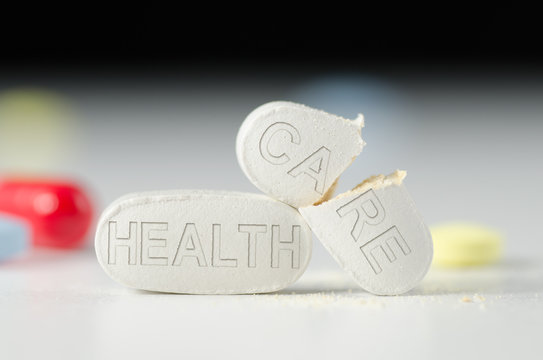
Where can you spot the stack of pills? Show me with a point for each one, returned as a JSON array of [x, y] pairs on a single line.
[[218, 242]]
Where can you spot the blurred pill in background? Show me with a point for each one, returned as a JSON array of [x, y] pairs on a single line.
[[350, 94], [387, 128], [14, 237], [465, 244], [59, 212], [37, 131]]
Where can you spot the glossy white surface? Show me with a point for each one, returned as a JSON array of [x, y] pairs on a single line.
[[58, 306]]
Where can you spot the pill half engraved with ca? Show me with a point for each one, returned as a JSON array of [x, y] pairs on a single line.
[[295, 153], [203, 242], [375, 233]]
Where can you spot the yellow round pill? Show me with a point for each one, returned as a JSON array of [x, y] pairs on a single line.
[[465, 244], [36, 130]]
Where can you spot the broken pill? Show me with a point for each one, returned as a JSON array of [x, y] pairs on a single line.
[[202, 242], [295, 153], [376, 234]]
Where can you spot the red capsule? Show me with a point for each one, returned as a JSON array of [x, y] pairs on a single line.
[[60, 213]]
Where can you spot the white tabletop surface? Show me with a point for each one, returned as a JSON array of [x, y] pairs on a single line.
[[472, 149], [58, 306]]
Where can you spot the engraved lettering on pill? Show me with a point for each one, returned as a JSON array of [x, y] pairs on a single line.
[[125, 243], [190, 247], [145, 243], [216, 259], [316, 167], [290, 247], [252, 231], [368, 209], [151, 241], [385, 247], [269, 133]]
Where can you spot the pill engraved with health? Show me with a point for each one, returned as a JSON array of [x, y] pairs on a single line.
[[375, 233], [203, 242], [295, 153]]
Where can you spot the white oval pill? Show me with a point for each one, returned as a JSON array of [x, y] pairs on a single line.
[[375, 233], [295, 153], [202, 242]]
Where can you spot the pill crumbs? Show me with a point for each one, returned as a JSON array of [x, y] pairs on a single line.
[[476, 298]]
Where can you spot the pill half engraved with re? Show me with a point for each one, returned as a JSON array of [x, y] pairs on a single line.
[[295, 153], [375, 232], [203, 242]]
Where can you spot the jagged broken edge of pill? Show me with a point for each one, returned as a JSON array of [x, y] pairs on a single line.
[[377, 181], [374, 182], [359, 122], [270, 109]]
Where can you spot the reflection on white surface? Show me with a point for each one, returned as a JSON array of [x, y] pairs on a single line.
[[69, 308]]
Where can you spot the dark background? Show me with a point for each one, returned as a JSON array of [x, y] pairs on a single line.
[[276, 36]]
